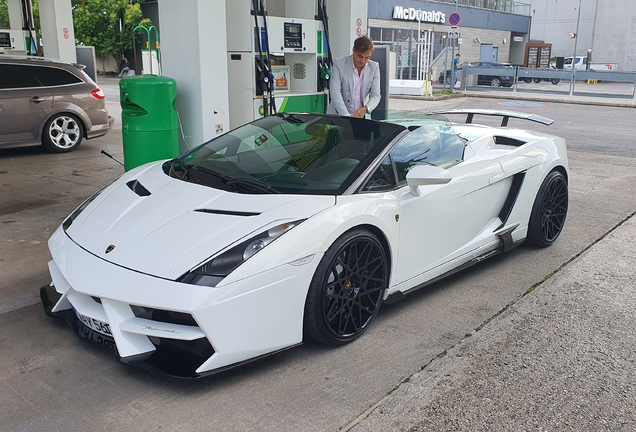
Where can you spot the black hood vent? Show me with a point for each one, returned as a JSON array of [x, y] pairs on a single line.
[[227, 212], [138, 188]]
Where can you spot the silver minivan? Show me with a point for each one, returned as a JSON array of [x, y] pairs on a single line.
[[51, 102]]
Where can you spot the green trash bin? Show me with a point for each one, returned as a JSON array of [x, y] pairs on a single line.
[[150, 126]]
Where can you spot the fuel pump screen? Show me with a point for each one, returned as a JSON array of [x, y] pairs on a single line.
[[293, 35], [5, 40]]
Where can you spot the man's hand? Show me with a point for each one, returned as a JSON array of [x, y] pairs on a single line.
[[360, 113]]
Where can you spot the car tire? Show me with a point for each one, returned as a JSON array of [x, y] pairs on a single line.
[[62, 133], [526, 80], [537, 80], [549, 211], [495, 82], [347, 289]]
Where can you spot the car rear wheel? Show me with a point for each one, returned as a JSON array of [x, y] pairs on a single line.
[[347, 289], [526, 80], [62, 133], [549, 211], [537, 80], [495, 82]]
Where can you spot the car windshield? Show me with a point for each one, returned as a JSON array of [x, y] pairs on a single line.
[[287, 153]]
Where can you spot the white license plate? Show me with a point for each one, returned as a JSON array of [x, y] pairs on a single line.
[[93, 324]]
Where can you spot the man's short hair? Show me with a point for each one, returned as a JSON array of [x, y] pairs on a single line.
[[363, 44], [457, 55]]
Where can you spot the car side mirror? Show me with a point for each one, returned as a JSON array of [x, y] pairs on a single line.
[[423, 175]]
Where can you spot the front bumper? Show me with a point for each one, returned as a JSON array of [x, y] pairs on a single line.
[[182, 330]]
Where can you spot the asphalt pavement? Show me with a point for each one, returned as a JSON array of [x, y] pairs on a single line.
[[558, 357], [562, 357]]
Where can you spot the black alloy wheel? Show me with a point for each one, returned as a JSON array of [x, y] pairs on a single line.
[[347, 289], [549, 211]]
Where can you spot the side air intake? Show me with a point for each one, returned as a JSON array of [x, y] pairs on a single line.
[[508, 141], [517, 181]]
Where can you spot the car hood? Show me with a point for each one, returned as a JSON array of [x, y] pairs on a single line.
[[152, 223]]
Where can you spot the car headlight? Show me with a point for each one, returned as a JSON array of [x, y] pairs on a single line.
[[213, 271]]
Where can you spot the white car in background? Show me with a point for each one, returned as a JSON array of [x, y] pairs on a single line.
[[296, 226]]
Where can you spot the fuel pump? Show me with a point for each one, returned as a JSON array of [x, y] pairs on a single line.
[[265, 85], [279, 59], [19, 39], [325, 61]]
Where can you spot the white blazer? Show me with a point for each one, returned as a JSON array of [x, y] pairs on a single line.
[[341, 85]]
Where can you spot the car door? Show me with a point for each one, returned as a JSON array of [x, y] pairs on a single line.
[[445, 220], [24, 104]]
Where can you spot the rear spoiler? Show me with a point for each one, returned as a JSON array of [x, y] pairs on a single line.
[[505, 114]]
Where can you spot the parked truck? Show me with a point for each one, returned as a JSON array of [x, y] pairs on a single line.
[[581, 64]]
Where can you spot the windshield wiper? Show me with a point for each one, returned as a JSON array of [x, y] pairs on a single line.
[[250, 185], [185, 167]]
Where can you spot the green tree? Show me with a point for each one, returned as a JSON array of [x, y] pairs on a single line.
[[107, 25], [4, 14]]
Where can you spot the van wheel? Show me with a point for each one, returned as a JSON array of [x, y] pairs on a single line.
[[62, 133]]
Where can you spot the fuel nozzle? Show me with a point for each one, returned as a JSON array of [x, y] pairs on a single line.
[[263, 82], [325, 73]]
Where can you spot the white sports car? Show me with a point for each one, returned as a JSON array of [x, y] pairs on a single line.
[[295, 226]]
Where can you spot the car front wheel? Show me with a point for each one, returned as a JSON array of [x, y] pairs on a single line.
[[495, 82], [62, 133], [549, 211], [347, 289]]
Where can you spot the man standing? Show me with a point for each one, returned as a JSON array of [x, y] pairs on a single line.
[[355, 82], [456, 66]]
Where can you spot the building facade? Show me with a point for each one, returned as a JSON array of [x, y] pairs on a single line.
[[606, 27], [487, 30]]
